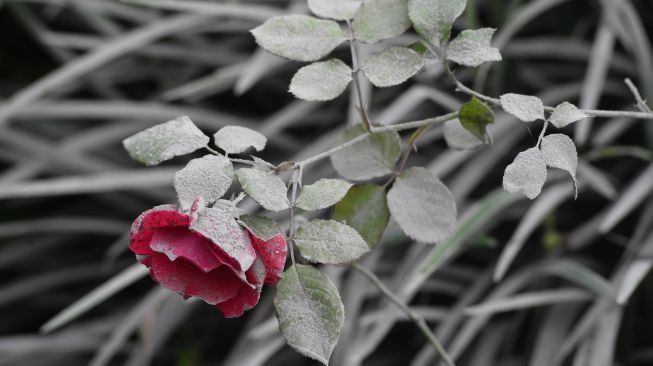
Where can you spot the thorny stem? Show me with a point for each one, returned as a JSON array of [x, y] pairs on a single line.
[[291, 233], [355, 76], [641, 103], [414, 317]]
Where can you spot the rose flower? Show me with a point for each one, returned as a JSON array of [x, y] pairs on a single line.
[[205, 253]]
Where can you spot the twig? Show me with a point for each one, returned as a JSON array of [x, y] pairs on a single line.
[[416, 318], [641, 103], [355, 75]]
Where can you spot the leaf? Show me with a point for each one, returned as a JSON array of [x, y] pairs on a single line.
[[321, 81], [364, 208], [208, 177], [525, 107], [472, 48], [263, 227], [457, 136], [377, 20], [322, 194], [474, 116], [566, 113], [392, 66], [526, 174], [334, 9], [329, 242], [237, 139], [266, 188], [433, 19], [310, 312], [373, 157], [165, 141], [422, 206], [299, 37], [559, 152]]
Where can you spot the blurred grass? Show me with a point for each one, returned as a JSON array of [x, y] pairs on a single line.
[[78, 76]]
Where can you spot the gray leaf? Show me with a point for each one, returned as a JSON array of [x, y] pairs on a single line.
[[310, 312], [165, 141], [527, 173], [208, 177], [472, 48], [422, 206], [525, 107], [565, 114], [322, 194], [237, 139], [334, 9], [457, 137], [392, 66], [321, 81], [377, 20], [433, 19], [266, 188], [559, 152], [299, 37], [329, 242]]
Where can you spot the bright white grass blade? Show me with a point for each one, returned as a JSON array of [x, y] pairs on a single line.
[[630, 199], [633, 277], [125, 278], [597, 180], [529, 300], [604, 341], [551, 333], [583, 276], [548, 201]]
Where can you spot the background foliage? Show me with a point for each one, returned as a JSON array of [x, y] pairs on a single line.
[[77, 77]]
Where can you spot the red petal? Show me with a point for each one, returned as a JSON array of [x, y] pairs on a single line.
[[273, 255], [140, 242], [158, 217], [247, 297], [180, 242], [183, 277]]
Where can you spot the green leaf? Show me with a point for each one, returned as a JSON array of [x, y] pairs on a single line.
[[559, 151], [370, 158], [565, 114], [310, 312], [475, 116], [472, 48], [237, 139], [299, 37], [377, 20], [322, 194], [334, 9], [208, 177], [392, 66], [364, 208], [263, 227], [422, 206], [433, 19], [525, 107], [527, 173], [458, 137], [266, 188], [321, 81], [165, 141], [329, 242]]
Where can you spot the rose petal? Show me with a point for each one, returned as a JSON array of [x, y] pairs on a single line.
[[139, 243], [158, 217], [273, 255], [183, 277], [247, 297], [180, 242]]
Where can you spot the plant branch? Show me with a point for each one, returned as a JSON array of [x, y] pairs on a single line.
[[416, 318], [355, 76]]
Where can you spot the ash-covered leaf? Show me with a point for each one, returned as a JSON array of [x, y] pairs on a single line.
[[565, 114], [474, 116], [321, 81], [237, 139], [165, 141], [263, 227], [208, 177], [458, 138], [329, 242], [310, 312], [334, 9], [364, 208], [373, 157], [526, 174], [392, 66], [559, 152], [322, 194], [433, 19], [299, 37], [377, 20], [525, 107], [422, 206], [266, 188], [472, 48]]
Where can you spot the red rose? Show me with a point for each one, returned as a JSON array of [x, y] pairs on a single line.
[[207, 254]]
